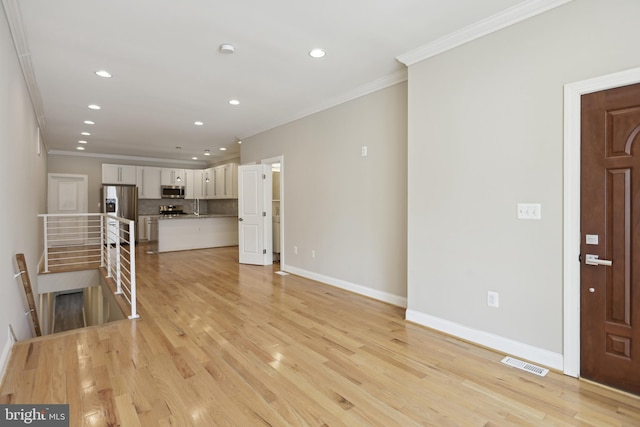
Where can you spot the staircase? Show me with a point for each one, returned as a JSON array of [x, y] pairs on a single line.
[[78, 258]]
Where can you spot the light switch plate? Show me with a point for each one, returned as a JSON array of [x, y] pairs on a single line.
[[529, 210], [493, 299]]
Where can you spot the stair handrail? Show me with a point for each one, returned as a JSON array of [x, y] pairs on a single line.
[[115, 238]]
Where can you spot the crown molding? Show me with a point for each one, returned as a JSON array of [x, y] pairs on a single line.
[[506, 18], [137, 158], [366, 89], [14, 19]]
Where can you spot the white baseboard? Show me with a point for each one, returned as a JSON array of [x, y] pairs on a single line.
[[351, 287], [504, 345], [6, 353]]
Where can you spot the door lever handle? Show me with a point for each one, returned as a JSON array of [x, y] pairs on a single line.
[[594, 260]]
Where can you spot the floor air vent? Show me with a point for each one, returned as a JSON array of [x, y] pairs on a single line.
[[525, 366], [282, 273]]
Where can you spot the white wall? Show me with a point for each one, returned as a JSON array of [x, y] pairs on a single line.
[[350, 209], [485, 133], [23, 173]]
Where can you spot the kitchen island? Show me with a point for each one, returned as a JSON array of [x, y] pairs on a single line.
[[184, 232]]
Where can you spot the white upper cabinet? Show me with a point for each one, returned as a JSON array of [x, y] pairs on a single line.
[[118, 174], [226, 177], [220, 181], [173, 176], [198, 184], [231, 183], [209, 183], [189, 192], [149, 182], [194, 188]]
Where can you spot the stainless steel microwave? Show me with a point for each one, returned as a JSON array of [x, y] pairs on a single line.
[[172, 191]]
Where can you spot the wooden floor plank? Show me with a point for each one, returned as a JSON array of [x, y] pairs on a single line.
[[220, 343]]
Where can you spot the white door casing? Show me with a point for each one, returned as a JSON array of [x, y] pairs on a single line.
[[254, 214]]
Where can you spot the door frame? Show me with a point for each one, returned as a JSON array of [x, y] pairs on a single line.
[[571, 201], [270, 161]]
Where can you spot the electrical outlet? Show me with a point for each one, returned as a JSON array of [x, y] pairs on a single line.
[[295, 250], [493, 299], [313, 253]]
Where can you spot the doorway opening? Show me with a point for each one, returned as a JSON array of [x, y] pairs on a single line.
[[277, 171]]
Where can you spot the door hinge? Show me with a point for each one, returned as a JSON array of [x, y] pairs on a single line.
[[264, 252], [264, 214], [264, 176]]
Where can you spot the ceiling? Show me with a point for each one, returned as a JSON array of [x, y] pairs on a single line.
[[168, 72]]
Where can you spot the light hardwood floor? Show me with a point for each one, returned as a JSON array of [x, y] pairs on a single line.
[[226, 344]]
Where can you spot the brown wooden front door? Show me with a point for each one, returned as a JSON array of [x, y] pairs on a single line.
[[610, 229]]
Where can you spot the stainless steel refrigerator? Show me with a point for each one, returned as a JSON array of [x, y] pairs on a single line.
[[121, 201]]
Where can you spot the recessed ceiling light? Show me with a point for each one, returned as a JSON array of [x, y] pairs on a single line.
[[80, 148], [82, 141], [198, 123], [317, 53], [89, 122], [94, 107], [103, 73], [239, 142], [234, 102], [194, 158], [223, 149], [207, 152], [85, 133]]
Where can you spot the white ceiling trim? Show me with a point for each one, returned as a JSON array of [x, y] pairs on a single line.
[[506, 18], [14, 19], [366, 89], [139, 158]]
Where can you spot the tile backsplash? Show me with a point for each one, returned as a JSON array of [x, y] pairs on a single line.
[[225, 207], [218, 206]]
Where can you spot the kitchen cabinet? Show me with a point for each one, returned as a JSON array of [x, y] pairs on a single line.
[[209, 183], [143, 228], [219, 184], [189, 190], [226, 185], [178, 234], [118, 174], [194, 188], [148, 182], [172, 176], [231, 186]]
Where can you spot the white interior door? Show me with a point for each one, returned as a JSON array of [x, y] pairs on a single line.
[[254, 214], [67, 194]]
